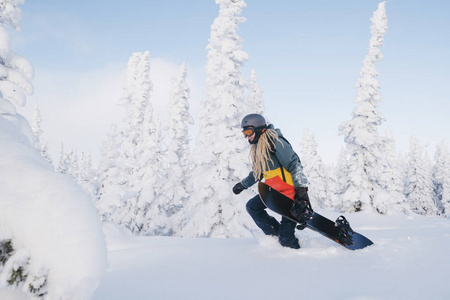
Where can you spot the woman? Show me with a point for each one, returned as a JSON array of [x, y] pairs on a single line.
[[274, 160]]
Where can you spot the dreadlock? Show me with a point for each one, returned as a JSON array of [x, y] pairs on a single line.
[[260, 152]]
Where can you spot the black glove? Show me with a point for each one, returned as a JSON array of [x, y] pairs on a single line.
[[301, 195], [238, 188], [301, 209]]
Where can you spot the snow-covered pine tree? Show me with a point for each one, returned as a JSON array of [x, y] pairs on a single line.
[[445, 191], [112, 182], [150, 211], [176, 189], [419, 185], [221, 153], [363, 143], [15, 71], [64, 162], [341, 172], [441, 175], [87, 177], [36, 127], [255, 101], [134, 152], [37, 132], [314, 171], [74, 168], [391, 196], [332, 202], [446, 197], [135, 99]]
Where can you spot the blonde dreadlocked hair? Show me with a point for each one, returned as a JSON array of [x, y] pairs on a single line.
[[260, 152]]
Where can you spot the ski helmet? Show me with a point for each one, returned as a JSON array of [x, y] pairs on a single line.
[[254, 120]]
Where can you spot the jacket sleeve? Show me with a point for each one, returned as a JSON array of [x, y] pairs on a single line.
[[249, 180], [291, 162]]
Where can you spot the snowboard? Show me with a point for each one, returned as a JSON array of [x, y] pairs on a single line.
[[282, 205]]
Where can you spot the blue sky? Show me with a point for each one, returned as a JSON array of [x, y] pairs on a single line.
[[307, 55]]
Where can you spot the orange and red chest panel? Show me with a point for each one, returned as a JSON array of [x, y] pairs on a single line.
[[280, 180]]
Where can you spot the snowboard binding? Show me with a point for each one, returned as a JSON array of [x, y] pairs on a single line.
[[343, 231], [302, 212]]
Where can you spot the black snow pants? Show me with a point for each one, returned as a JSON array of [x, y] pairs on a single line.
[[270, 226]]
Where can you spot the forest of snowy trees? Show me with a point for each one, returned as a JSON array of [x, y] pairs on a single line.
[[155, 179]]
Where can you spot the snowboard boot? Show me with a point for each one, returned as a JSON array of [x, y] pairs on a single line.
[[286, 234], [290, 242]]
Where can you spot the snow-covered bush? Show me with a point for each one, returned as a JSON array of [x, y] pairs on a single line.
[[51, 237]]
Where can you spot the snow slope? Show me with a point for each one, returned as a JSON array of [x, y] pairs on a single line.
[[58, 229], [410, 260]]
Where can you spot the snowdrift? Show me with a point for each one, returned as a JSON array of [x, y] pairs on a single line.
[[52, 224]]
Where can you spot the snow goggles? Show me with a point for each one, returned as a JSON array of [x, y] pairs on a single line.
[[248, 131]]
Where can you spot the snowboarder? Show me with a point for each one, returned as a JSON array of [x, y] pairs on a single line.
[[275, 161]]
